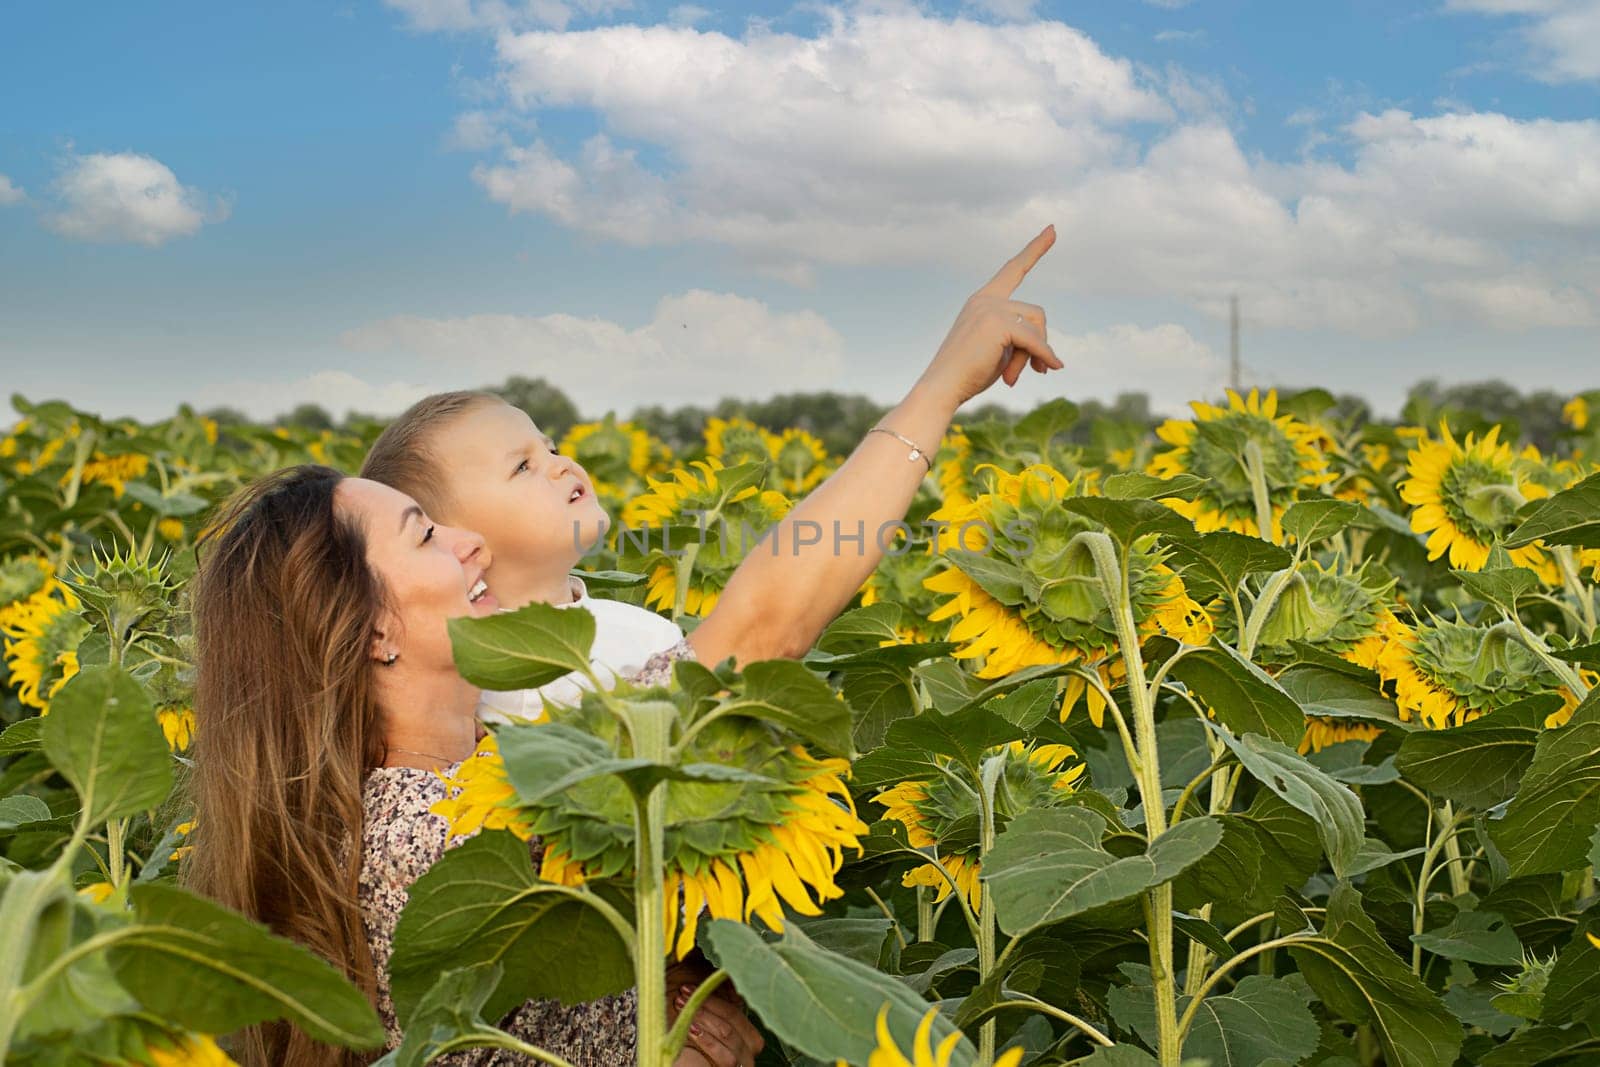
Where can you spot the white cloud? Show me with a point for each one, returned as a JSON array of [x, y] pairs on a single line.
[[10, 194], [1562, 36], [1518, 302], [126, 197], [1180, 36], [898, 137], [697, 344], [1165, 361]]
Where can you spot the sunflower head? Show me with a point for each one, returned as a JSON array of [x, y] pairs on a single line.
[[1575, 412], [23, 576], [42, 633], [1447, 673], [613, 453], [972, 456], [114, 471], [1336, 608], [1027, 593], [122, 591], [719, 514], [801, 459], [1224, 444], [1465, 494], [738, 849], [737, 440], [942, 813]]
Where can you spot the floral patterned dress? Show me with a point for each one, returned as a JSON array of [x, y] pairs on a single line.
[[401, 839]]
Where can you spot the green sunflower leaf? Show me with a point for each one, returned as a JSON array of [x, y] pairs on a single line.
[[205, 968], [1260, 1020], [1128, 520], [1575, 979], [1310, 521], [522, 649], [549, 759], [20, 810], [1337, 695], [1502, 586], [1001, 580], [102, 735], [1583, 655], [451, 1008], [1360, 979], [1557, 805], [1041, 425], [1135, 485], [1552, 1045], [23, 736], [787, 693], [824, 1004], [1335, 809], [1217, 562], [1049, 865], [1477, 764], [482, 903], [1476, 937], [1243, 696], [1570, 517]]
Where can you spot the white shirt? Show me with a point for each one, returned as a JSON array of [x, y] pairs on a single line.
[[625, 636]]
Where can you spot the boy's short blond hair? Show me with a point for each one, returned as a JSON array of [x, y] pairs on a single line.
[[404, 456]]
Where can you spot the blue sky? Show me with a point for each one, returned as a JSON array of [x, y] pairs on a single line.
[[357, 204]]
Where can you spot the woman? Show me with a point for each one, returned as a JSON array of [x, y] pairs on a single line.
[[327, 702]]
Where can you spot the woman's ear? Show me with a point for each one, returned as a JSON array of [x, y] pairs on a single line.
[[384, 649]]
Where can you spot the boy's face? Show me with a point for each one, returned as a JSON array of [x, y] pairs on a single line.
[[535, 508]]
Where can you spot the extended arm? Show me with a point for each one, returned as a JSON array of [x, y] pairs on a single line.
[[779, 601]]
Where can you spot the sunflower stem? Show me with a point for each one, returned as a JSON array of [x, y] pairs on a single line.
[[115, 829], [1565, 671], [651, 740], [992, 769], [1113, 574], [1262, 608], [685, 571], [1581, 593], [1255, 467], [1454, 866], [924, 913]]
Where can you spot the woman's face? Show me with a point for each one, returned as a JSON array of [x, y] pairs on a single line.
[[432, 572]]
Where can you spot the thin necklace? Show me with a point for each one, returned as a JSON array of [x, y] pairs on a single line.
[[430, 755]]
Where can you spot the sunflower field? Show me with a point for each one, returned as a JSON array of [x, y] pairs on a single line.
[[1260, 738]]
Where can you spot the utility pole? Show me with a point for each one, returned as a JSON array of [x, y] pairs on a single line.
[[1233, 342]]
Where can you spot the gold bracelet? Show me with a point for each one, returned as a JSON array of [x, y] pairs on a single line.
[[917, 451]]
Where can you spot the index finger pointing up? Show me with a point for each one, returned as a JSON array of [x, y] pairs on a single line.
[[1006, 280]]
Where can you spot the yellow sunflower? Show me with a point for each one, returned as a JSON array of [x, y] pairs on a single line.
[[726, 527], [42, 634], [1037, 776], [618, 454], [1575, 412], [802, 460], [1214, 446], [781, 846], [1026, 596], [923, 1053], [737, 440], [1448, 673], [115, 471], [1465, 495]]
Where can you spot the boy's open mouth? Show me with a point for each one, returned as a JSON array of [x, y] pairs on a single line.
[[479, 588], [577, 494]]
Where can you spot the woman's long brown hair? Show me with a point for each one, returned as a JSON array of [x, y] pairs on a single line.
[[285, 608]]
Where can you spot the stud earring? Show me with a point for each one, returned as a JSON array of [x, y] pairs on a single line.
[[388, 661]]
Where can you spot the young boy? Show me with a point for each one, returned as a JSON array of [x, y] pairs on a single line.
[[473, 461]]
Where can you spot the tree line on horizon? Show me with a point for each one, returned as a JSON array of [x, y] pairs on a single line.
[[840, 419]]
